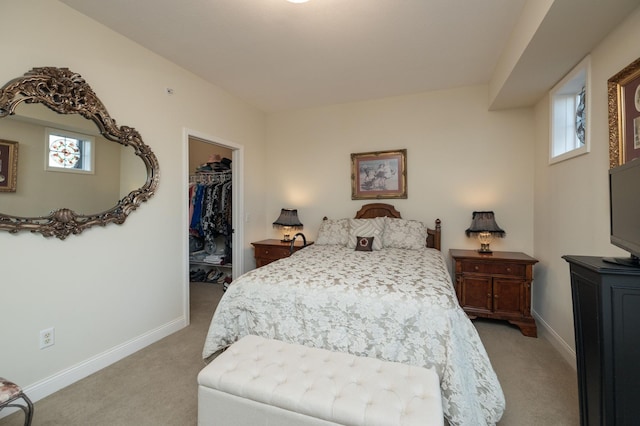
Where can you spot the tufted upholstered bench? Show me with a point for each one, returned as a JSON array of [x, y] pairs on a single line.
[[259, 381]]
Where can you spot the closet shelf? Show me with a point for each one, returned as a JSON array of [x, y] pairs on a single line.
[[201, 263], [210, 177]]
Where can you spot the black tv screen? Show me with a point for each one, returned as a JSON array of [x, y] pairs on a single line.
[[624, 200]]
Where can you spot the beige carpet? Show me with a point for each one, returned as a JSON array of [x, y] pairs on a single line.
[[157, 385], [540, 387]]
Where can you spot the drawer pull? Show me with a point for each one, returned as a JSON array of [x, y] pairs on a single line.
[[266, 252], [508, 269], [476, 268]]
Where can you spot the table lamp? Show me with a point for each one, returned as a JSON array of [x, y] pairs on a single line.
[[484, 226], [287, 221]]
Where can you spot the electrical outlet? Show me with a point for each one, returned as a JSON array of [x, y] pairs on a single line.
[[47, 337]]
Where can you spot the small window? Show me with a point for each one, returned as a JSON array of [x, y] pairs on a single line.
[[569, 114], [68, 152]]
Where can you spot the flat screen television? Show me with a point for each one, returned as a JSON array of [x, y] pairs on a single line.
[[624, 203]]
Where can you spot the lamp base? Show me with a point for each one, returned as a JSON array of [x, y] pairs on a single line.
[[484, 249], [286, 238]]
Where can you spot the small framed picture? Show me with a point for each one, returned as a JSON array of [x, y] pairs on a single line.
[[377, 175], [624, 115], [8, 165]]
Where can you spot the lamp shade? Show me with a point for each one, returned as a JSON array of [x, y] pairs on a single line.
[[288, 218], [484, 222]]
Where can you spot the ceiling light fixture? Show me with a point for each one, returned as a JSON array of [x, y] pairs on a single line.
[[297, 1]]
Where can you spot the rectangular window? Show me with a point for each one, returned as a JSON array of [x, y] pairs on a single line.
[[69, 152], [569, 114]]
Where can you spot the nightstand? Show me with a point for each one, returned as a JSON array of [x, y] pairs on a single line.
[[496, 285], [267, 251]]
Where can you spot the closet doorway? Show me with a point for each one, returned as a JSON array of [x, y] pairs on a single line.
[[214, 208]]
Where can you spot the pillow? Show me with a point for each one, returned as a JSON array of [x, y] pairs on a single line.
[[366, 228], [404, 234], [364, 243], [333, 232]]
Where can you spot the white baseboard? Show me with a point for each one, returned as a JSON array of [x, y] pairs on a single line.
[[566, 351], [66, 377]]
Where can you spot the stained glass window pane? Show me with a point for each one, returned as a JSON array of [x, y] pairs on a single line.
[[64, 152]]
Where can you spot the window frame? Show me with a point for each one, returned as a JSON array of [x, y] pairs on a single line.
[[569, 87], [86, 139]]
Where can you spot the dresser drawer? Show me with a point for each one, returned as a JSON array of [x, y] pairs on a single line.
[[271, 252], [510, 269]]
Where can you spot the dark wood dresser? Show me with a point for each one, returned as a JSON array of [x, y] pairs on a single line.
[[496, 285], [267, 251], [606, 316]]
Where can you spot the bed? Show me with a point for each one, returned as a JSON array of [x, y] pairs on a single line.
[[394, 301]]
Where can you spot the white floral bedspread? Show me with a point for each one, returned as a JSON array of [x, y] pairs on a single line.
[[393, 304]]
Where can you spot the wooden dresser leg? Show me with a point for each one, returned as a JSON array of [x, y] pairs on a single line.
[[528, 328]]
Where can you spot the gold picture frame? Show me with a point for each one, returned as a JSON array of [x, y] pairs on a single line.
[[8, 165], [624, 115], [379, 174]]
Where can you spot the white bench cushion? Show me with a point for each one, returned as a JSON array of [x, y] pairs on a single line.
[[330, 386]]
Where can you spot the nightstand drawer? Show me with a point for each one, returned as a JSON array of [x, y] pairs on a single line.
[[267, 251], [271, 252], [510, 269]]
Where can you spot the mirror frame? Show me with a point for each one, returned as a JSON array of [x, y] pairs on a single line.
[[66, 92]]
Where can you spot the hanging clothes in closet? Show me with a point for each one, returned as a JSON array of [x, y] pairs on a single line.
[[210, 213]]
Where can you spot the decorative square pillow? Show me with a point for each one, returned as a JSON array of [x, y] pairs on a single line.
[[333, 232], [364, 243], [366, 228], [404, 234]]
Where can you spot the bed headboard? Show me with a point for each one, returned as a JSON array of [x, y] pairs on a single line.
[[372, 210]]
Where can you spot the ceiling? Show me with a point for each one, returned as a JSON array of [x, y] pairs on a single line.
[[278, 55]]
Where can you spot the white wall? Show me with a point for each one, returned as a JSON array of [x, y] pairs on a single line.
[[572, 197], [111, 290], [460, 158]]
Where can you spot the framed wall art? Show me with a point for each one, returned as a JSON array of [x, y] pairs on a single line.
[[377, 175], [624, 115], [8, 165]]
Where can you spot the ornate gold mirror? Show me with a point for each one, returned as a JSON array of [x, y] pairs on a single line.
[[59, 147]]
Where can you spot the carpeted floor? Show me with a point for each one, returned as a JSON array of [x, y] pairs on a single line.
[[157, 385], [540, 387]]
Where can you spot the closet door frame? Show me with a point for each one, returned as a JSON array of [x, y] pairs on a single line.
[[237, 205]]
